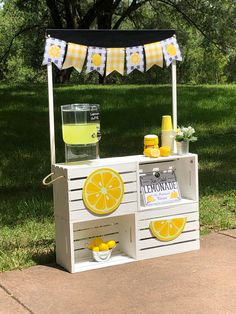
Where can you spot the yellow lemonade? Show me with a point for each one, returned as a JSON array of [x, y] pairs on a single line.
[[80, 133]]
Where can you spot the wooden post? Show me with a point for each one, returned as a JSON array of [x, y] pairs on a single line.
[[51, 114], [174, 94]]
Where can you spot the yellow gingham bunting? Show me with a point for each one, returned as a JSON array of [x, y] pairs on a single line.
[[75, 56], [154, 55], [115, 60]]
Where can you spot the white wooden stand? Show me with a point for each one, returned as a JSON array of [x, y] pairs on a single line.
[[128, 225]]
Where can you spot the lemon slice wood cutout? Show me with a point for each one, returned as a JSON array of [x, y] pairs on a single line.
[[103, 191], [167, 230]]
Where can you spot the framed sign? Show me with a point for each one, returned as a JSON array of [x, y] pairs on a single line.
[[159, 187]]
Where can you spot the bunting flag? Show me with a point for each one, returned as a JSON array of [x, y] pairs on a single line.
[[107, 60], [54, 51], [134, 59], [154, 55], [96, 60], [75, 57], [171, 50], [115, 60]]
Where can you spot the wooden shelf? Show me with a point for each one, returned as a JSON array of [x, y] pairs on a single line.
[[183, 201], [117, 258]]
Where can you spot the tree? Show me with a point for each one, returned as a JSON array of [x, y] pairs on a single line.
[[207, 18]]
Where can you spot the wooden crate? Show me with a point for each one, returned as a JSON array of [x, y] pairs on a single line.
[[149, 246], [76, 226]]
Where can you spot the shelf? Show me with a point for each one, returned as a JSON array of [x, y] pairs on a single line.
[[117, 258], [183, 201], [119, 160]]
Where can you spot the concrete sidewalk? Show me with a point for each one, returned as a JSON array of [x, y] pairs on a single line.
[[196, 282]]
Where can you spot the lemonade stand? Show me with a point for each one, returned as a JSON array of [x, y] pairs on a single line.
[[129, 208]]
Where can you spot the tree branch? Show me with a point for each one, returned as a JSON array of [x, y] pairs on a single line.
[[54, 13], [190, 21], [21, 31], [69, 16], [133, 7]]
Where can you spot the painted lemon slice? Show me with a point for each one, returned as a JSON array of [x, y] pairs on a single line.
[[167, 230], [103, 191]]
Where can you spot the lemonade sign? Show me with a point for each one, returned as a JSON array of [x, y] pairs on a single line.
[[159, 187]]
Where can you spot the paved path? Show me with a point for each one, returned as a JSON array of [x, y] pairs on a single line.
[[196, 282]]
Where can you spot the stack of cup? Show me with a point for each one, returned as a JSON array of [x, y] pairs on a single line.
[[167, 133]]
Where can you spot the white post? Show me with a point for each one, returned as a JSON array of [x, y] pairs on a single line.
[[174, 95], [51, 114]]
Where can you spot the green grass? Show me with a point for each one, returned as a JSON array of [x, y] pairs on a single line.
[[127, 114]]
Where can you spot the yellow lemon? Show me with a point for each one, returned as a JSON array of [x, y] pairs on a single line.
[[152, 152], [171, 50], [103, 191], [96, 249], [164, 151], [90, 246], [111, 244], [97, 241], [103, 247], [54, 51], [167, 230], [96, 59]]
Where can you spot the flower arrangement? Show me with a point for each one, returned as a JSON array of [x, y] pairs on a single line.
[[185, 134]]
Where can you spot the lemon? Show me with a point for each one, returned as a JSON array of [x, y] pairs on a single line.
[[97, 241], [90, 246], [164, 151], [103, 247], [103, 191], [167, 230], [96, 249], [111, 244], [151, 152]]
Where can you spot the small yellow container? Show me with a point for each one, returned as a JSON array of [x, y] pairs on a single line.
[[166, 123], [151, 148], [150, 140]]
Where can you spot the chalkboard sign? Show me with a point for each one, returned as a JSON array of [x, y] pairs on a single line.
[[159, 187]]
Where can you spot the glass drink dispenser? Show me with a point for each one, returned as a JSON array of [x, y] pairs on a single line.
[[81, 131]]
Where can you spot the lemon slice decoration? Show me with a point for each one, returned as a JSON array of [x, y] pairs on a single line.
[[167, 230], [54, 51], [135, 58], [96, 59], [103, 191], [171, 50], [174, 195]]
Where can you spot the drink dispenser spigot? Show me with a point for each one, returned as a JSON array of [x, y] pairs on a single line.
[[81, 131]]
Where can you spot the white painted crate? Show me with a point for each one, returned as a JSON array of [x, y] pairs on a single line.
[[149, 246], [128, 224], [68, 202]]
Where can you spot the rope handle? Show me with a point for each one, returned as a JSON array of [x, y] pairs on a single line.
[[51, 182]]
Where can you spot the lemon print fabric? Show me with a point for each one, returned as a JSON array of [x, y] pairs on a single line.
[[134, 59], [171, 50], [167, 230], [96, 60], [54, 52], [103, 191]]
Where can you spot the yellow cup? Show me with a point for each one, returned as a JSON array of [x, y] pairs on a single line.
[[166, 123]]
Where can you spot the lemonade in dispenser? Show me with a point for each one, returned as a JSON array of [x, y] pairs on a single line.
[[81, 131]]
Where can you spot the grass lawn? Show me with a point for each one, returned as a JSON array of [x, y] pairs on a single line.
[[127, 114]]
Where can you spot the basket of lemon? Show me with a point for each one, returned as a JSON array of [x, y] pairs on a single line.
[[101, 250]]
